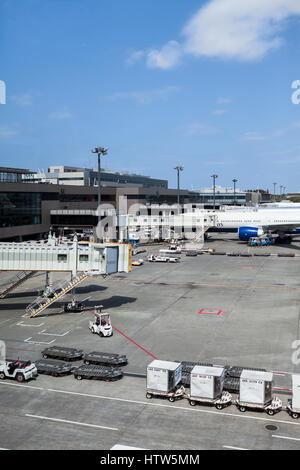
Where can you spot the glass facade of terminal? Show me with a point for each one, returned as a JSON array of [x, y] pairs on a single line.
[[20, 209]]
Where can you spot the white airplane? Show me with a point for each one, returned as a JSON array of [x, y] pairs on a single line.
[[257, 221]]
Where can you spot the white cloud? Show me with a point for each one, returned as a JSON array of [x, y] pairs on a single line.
[[134, 57], [144, 97], [258, 136], [24, 99], [219, 112], [229, 29], [6, 131], [61, 114], [166, 58], [223, 100], [198, 128]]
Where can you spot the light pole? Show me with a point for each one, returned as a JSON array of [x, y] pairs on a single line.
[[100, 151], [234, 183], [274, 184], [214, 186], [179, 169]]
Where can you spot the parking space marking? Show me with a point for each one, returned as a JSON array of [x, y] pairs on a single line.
[[234, 448], [58, 420], [21, 323], [53, 334], [37, 342], [285, 437]]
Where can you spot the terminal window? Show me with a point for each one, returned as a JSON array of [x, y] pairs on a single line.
[[20, 209]]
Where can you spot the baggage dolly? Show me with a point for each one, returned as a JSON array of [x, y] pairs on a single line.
[[219, 403]]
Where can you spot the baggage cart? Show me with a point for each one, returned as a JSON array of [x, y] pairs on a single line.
[[108, 374], [104, 358], [63, 353], [53, 367]]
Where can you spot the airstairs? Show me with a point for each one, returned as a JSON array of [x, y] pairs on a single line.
[[15, 282], [53, 294]]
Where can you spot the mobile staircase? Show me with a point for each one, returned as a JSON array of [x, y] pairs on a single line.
[[53, 294], [15, 282]]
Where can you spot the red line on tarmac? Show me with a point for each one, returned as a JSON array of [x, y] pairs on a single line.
[[16, 349], [141, 347], [127, 337]]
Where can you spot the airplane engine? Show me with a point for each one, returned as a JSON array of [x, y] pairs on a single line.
[[246, 232]]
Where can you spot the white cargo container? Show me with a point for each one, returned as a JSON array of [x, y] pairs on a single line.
[[163, 378], [256, 387], [207, 382], [256, 392], [207, 387], [293, 406]]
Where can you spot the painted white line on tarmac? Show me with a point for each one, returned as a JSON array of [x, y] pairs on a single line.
[[21, 323], [53, 334], [3, 448], [285, 437], [37, 342], [159, 405], [71, 422], [234, 448]]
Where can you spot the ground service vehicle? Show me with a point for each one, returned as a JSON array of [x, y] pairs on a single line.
[[101, 324], [74, 306], [162, 259], [61, 352], [21, 371], [138, 262]]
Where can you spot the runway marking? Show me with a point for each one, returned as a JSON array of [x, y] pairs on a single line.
[[161, 405], [37, 342], [199, 284], [234, 448], [53, 334], [285, 437], [71, 422]]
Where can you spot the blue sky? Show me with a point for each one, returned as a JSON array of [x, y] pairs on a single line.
[[204, 84]]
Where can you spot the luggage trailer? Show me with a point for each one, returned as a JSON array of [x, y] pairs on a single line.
[[91, 372], [163, 380], [103, 358], [293, 407], [256, 393], [63, 353], [207, 387]]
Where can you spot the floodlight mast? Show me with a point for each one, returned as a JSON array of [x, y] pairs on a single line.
[[214, 187], [179, 168], [99, 151]]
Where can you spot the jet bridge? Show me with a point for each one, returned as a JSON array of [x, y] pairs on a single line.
[[82, 260]]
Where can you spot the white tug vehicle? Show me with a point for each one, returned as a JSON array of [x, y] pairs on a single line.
[[22, 371], [101, 325]]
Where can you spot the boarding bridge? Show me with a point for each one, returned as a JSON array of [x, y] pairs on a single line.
[[82, 260], [96, 258]]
